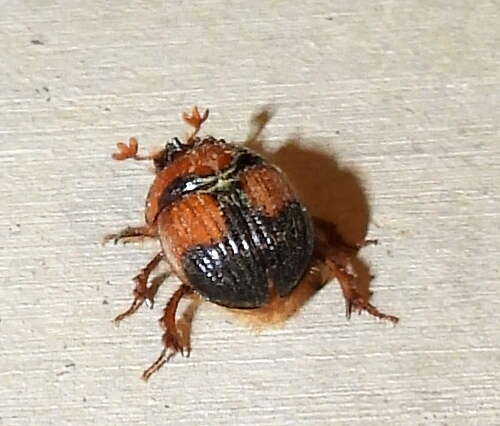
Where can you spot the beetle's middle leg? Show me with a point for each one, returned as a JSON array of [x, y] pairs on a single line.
[[142, 292], [329, 231], [173, 340], [132, 234]]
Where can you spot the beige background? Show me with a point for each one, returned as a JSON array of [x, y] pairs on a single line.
[[400, 98]]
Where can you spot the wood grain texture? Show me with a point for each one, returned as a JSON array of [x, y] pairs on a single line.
[[391, 113]]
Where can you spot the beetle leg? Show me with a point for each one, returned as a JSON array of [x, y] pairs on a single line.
[[337, 254], [142, 292], [172, 339], [354, 300], [330, 233], [194, 120], [132, 234]]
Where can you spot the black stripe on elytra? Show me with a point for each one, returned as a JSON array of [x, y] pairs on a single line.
[[230, 272], [190, 183], [256, 247]]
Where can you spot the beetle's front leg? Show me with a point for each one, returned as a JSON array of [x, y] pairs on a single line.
[[132, 234]]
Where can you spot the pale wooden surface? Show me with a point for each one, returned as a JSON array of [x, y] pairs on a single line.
[[404, 94]]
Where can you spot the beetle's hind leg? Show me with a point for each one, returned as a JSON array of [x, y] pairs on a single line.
[[173, 340], [337, 254], [132, 234], [353, 298], [142, 292]]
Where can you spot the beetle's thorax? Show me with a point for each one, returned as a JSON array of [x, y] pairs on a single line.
[[203, 158]]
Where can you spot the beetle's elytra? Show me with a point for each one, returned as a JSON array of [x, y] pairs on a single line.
[[234, 232]]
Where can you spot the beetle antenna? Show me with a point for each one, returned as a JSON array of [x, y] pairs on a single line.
[[125, 151], [194, 120]]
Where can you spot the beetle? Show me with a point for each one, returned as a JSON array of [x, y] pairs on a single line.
[[235, 233]]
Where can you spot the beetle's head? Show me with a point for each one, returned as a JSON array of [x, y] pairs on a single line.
[[175, 147], [172, 148]]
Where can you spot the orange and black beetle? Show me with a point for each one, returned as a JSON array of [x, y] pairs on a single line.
[[234, 232]]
